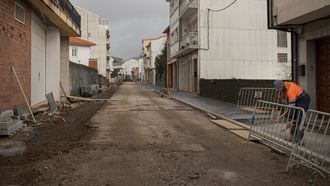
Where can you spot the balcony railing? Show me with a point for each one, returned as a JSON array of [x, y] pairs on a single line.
[[190, 40], [69, 10], [185, 4]]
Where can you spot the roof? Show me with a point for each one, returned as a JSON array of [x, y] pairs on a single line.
[[117, 59], [75, 41]]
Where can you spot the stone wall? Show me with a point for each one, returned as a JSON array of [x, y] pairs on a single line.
[[81, 75]]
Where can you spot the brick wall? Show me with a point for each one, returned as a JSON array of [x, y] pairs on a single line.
[[15, 48]]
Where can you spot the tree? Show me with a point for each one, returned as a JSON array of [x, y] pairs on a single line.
[[160, 65]]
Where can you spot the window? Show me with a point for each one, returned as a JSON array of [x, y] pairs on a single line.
[[89, 34], [19, 13], [74, 52], [282, 39], [282, 57], [194, 26], [174, 36]]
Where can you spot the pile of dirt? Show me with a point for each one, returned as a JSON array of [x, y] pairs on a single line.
[[50, 137]]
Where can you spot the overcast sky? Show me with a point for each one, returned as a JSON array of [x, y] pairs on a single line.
[[130, 22]]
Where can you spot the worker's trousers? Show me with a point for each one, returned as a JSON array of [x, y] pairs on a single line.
[[297, 134]]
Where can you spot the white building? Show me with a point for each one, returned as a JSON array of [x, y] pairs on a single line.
[[80, 50], [128, 65], [96, 29], [141, 70], [215, 52], [310, 23], [118, 72], [152, 47]]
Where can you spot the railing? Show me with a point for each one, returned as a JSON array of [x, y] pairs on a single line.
[[305, 136], [191, 39], [314, 149], [184, 4], [248, 97], [69, 10], [277, 124]]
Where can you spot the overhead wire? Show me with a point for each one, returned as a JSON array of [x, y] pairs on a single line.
[[208, 21]]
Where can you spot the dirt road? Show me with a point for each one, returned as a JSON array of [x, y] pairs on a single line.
[[142, 139]]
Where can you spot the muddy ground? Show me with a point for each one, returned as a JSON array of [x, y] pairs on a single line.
[[139, 138], [49, 139]]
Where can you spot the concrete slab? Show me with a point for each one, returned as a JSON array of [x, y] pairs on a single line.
[[10, 127], [241, 133], [6, 114], [226, 124]]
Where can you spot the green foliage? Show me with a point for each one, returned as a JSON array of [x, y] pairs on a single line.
[[160, 66]]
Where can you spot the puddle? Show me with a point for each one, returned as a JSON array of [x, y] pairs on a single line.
[[11, 148]]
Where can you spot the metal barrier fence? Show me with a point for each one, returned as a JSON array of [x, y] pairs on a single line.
[[277, 124], [248, 97], [313, 150]]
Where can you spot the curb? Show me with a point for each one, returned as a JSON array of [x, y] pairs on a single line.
[[201, 109]]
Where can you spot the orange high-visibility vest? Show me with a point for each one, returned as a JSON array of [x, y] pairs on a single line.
[[292, 91]]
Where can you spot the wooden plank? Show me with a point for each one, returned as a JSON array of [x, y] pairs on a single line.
[[212, 116], [226, 124], [26, 100], [241, 133], [88, 99]]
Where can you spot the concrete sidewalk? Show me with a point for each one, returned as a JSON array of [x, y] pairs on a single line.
[[216, 107]]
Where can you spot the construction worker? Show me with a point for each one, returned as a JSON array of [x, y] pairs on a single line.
[[297, 97]]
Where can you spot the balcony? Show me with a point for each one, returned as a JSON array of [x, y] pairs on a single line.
[[61, 13], [188, 43], [108, 34], [188, 7], [108, 45]]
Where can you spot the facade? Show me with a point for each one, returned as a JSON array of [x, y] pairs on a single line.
[[215, 53], [151, 48], [129, 66], [310, 24], [118, 72], [35, 40], [80, 50], [96, 29]]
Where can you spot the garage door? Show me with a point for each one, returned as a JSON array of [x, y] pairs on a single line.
[[323, 74], [38, 61]]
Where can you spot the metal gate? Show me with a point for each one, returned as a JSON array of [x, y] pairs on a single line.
[[248, 97], [277, 124], [314, 149]]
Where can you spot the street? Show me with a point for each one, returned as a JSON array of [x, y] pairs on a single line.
[[143, 139]]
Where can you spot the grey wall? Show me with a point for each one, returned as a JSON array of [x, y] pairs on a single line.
[[64, 73], [227, 90], [81, 75]]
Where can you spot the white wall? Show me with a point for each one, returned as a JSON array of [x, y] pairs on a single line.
[[241, 46], [300, 11], [128, 65], [53, 61], [83, 55], [102, 49], [92, 31]]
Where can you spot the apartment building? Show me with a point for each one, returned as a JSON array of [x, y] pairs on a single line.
[[151, 48], [34, 39], [95, 29], [309, 21], [215, 52]]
